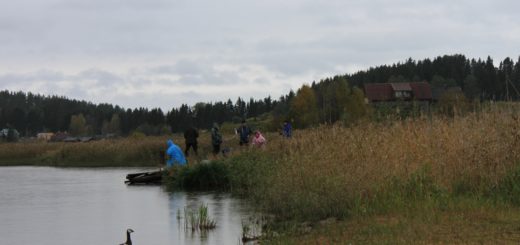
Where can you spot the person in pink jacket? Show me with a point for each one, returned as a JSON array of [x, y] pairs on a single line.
[[258, 139]]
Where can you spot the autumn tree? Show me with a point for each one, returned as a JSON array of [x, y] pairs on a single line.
[[356, 108], [78, 125], [115, 124], [112, 127], [303, 109]]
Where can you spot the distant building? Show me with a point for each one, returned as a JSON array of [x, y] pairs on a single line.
[[71, 139], [9, 135], [59, 137], [44, 136], [399, 97], [388, 92], [4, 132]]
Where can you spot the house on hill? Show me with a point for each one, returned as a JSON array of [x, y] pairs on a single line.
[[391, 92], [401, 96]]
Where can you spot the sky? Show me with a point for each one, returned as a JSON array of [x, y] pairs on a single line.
[[163, 53]]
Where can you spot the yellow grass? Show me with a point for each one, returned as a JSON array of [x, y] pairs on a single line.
[[131, 151], [114, 152], [324, 171]]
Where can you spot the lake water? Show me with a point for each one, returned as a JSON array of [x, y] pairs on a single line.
[[44, 205]]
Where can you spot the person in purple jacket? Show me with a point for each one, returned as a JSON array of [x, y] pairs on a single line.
[[287, 129]]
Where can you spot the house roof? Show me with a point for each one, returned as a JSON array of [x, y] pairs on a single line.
[[379, 91], [385, 91], [401, 86]]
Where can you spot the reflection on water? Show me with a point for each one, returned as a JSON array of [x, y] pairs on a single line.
[[92, 206]]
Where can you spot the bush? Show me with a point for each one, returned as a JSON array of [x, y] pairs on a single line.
[[202, 176], [508, 189], [241, 173]]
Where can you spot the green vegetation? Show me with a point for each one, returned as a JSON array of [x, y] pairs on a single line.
[[240, 173], [467, 222], [198, 220], [203, 176]]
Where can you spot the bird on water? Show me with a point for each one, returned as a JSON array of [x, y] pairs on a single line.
[[128, 239]]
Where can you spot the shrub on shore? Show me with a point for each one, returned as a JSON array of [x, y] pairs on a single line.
[[241, 174]]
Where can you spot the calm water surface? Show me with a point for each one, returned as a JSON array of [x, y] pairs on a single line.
[[43, 205]]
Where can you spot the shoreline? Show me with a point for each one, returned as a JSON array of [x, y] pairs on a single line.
[[393, 178]]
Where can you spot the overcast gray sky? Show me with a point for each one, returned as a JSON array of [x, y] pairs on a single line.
[[161, 53]]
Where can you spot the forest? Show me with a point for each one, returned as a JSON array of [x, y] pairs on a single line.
[[326, 101], [30, 114]]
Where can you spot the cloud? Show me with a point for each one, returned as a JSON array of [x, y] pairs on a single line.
[[8, 79], [204, 73], [162, 86], [132, 51], [98, 77]]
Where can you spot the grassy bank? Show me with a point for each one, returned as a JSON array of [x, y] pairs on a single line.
[[465, 223], [121, 152], [117, 152], [466, 166]]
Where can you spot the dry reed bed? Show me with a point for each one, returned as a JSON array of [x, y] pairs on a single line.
[[324, 169], [117, 152], [130, 151]]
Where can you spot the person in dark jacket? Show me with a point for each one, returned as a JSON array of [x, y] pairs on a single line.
[[287, 129], [243, 132], [216, 139], [190, 136]]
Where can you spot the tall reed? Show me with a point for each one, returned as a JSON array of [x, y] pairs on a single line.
[[333, 170]]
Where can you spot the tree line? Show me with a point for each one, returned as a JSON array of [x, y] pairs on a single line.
[[480, 79], [341, 98], [327, 101], [30, 114]]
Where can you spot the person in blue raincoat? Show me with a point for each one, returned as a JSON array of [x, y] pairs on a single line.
[[175, 155]]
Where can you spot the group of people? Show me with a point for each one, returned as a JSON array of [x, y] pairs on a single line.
[[244, 132], [176, 156]]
